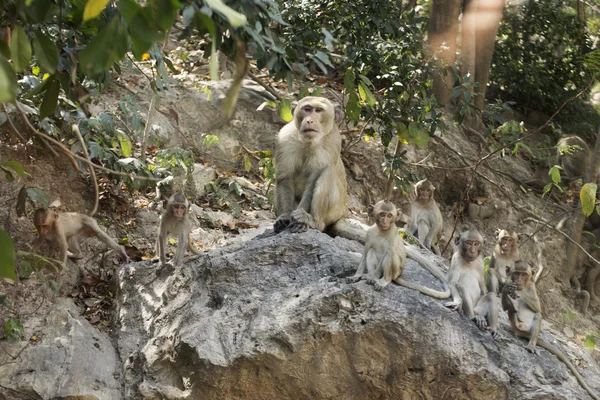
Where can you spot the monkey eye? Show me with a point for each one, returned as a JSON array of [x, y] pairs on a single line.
[[319, 109], [307, 109]]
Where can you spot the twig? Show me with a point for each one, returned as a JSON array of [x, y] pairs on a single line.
[[69, 153], [264, 85], [92, 172], [137, 66], [14, 128], [147, 127]]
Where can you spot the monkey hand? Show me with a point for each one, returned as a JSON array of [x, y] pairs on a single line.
[[495, 335], [353, 279], [511, 290], [481, 322], [282, 223], [454, 305], [531, 348]]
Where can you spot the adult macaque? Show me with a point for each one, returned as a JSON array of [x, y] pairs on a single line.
[[175, 221], [503, 259], [67, 228], [465, 279], [521, 301], [573, 155], [384, 256], [425, 216], [310, 185], [541, 176]]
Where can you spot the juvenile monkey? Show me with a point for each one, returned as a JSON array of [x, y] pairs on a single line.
[[384, 256], [503, 259], [521, 301], [541, 175], [465, 279], [67, 228], [310, 185], [573, 155], [425, 216], [175, 221]]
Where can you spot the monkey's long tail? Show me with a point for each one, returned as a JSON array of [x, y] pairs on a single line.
[[414, 253], [425, 290], [349, 231], [559, 354]]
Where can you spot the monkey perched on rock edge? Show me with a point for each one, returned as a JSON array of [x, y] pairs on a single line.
[[175, 220], [384, 257], [310, 184], [425, 216], [503, 259], [521, 301], [67, 228], [465, 279]]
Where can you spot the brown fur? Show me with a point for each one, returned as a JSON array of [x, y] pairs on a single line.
[[503, 259], [426, 221], [175, 220]]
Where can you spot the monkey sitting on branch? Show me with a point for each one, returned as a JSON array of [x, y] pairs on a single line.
[[503, 259], [426, 221], [175, 220], [465, 279], [67, 228], [384, 256], [310, 185], [521, 301]]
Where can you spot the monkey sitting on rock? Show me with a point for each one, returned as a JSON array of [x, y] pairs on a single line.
[[426, 221]]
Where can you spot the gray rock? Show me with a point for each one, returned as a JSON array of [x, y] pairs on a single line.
[[270, 319], [200, 177], [71, 360]]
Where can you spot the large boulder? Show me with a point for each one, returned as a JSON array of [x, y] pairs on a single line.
[[270, 319]]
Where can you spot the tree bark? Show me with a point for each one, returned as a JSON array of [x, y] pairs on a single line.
[[443, 29]]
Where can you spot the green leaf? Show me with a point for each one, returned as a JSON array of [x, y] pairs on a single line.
[[588, 198], [366, 95], [349, 78], [53, 285], [17, 167], [247, 163], [353, 107], [166, 12], [25, 269], [36, 195], [285, 110], [235, 18], [125, 143], [45, 52], [50, 99], [93, 8], [402, 132], [555, 174], [13, 330], [4, 49], [21, 49], [106, 48], [418, 135], [8, 81], [7, 256], [570, 315], [590, 341]]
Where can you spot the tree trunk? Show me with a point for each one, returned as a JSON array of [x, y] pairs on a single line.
[[573, 253], [468, 48], [443, 28]]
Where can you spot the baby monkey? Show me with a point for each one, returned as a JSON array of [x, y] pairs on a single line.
[[384, 256], [521, 301], [175, 221], [67, 228]]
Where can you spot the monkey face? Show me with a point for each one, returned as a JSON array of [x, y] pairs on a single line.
[[424, 195], [44, 221], [507, 243], [314, 118], [385, 219], [521, 278], [178, 210], [470, 249]]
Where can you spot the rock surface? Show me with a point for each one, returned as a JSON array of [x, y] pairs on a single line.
[[268, 319], [70, 360]]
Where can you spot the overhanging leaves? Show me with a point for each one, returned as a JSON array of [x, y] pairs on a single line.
[[45, 52], [7, 256], [8, 81], [20, 49], [588, 198]]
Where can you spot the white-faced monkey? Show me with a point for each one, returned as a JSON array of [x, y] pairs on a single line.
[[310, 184], [67, 228], [521, 301], [465, 279], [503, 259], [426, 221], [175, 221], [384, 257]]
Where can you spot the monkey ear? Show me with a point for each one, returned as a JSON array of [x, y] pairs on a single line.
[[497, 232], [533, 273], [457, 239], [521, 236]]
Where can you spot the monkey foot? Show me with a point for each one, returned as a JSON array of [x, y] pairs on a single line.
[[353, 279], [281, 224], [495, 335], [453, 305], [480, 322], [530, 348], [297, 227]]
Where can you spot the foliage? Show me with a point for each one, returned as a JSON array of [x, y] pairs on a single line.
[[538, 57]]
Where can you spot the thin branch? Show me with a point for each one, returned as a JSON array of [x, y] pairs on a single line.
[[69, 153], [264, 85], [14, 128]]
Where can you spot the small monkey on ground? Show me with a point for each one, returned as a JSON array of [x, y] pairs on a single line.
[[521, 301], [503, 259], [384, 256], [310, 185], [425, 216], [67, 228], [465, 279], [175, 220]]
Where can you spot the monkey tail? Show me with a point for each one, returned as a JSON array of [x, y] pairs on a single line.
[[349, 231], [539, 260], [425, 290], [413, 252], [92, 172], [559, 354]]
